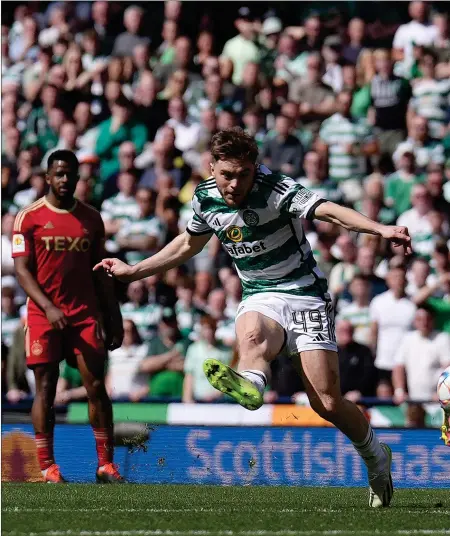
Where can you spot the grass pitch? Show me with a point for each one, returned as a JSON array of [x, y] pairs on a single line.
[[160, 510]]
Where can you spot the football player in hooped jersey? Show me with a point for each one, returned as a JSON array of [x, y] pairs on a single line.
[[56, 242], [256, 215]]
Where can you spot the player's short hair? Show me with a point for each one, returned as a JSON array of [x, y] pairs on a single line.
[[66, 156], [233, 144]]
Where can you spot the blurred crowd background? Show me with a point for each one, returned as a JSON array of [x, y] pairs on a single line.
[[350, 99]]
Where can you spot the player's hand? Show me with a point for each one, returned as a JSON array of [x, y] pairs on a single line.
[[56, 318], [399, 236], [120, 270]]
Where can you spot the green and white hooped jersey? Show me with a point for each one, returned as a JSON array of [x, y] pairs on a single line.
[[431, 99], [338, 131], [265, 236]]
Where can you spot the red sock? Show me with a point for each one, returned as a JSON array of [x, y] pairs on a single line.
[[44, 446], [105, 445]]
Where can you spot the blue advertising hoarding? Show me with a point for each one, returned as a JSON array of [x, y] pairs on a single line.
[[246, 456]]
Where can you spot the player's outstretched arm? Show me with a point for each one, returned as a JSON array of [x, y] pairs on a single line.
[[177, 252], [354, 221]]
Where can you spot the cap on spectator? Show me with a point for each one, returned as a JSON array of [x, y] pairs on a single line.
[[272, 25], [333, 41], [245, 13]]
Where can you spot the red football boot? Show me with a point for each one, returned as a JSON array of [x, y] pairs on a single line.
[[52, 475], [109, 474]]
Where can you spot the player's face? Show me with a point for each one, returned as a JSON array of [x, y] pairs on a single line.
[[62, 180], [234, 180]]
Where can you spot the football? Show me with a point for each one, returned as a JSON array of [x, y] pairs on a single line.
[[443, 390]]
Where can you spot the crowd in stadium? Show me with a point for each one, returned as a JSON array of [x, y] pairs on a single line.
[[353, 111]]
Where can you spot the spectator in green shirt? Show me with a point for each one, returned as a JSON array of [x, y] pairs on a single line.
[[361, 93], [121, 126], [271, 31], [38, 130], [243, 48], [196, 387], [166, 358], [439, 306], [70, 385], [399, 184]]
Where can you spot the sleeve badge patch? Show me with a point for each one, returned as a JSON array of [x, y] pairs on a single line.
[[18, 243]]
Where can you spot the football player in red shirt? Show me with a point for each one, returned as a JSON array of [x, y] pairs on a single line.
[[71, 315]]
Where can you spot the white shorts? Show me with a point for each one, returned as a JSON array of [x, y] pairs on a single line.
[[308, 321]]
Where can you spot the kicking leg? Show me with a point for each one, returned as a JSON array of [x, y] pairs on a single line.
[[321, 378], [259, 340], [43, 418], [92, 370]]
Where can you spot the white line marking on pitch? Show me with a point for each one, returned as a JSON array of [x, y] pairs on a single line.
[[223, 532], [20, 510]]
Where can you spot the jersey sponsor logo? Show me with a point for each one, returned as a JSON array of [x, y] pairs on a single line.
[[250, 218], [234, 234], [216, 222], [36, 348], [300, 199], [66, 243], [49, 225], [18, 243], [243, 250]]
